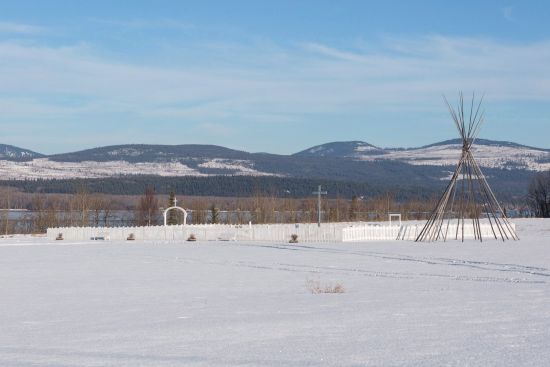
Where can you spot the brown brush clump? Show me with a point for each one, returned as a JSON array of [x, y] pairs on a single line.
[[315, 287]]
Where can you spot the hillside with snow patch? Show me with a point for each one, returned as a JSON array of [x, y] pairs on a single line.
[[352, 161], [44, 168], [488, 153], [11, 153]]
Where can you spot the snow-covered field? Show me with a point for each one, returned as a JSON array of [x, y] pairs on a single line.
[[225, 304]]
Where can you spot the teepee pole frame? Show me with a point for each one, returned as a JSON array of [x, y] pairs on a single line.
[[468, 194]]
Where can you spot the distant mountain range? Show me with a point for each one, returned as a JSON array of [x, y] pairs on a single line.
[[342, 149], [508, 164], [11, 153], [489, 153]]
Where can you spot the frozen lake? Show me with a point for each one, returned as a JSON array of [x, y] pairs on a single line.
[[234, 304]]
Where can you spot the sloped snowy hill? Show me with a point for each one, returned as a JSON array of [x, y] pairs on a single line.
[[206, 160]]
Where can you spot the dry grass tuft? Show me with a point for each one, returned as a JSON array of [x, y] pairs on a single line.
[[316, 287]]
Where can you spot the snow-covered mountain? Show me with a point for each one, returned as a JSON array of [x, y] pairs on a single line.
[[151, 153], [488, 153], [45, 168], [125, 160], [11, 153], [355, 160], [346, 149]]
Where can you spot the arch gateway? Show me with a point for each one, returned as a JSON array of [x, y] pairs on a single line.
[[175, 207]]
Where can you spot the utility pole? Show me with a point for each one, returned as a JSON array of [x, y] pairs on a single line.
[[319, 193]]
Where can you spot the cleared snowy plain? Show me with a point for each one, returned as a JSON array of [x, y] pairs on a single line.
[[224, 303]]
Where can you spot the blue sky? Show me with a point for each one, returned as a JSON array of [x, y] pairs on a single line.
[[275, 76]]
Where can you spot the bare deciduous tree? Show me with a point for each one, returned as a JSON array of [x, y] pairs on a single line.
[[199, 211], [148, 208], [96, 206], [7, 202], [539, 194], [353, 208], [100, 207], [81, 204], [107, 211], [44, 215]]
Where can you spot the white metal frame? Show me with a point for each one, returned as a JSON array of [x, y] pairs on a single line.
[[165, 214], [394, 215]]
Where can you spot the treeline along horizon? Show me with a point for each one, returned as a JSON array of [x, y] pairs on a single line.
[[222, 186], [509, 185]]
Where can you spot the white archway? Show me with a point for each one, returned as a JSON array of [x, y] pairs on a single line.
[[175, 207]]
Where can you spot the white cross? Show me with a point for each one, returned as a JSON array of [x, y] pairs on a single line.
[[319, 193]]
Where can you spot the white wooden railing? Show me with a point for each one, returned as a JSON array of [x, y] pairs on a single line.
[[411, 232], [329, 232]]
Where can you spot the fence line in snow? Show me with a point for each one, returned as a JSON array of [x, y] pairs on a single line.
[[410, 232], [329, 232]]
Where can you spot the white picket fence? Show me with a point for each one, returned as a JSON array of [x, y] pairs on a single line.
[[370, 233], [411, 232], [329, 232]]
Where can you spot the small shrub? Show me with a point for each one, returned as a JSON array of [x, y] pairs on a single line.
[[293, 238], [131, 237], [192, 238], [315, 287], [59, 237]]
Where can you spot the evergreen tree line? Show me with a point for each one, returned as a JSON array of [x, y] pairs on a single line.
[[220, 186]]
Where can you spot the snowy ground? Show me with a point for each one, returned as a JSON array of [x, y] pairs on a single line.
[[225, 304]]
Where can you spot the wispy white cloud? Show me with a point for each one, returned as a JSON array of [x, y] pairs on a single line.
[[311, 78], [334, 53], [271, 84], [507, 13], [19, 28], [436, 64]]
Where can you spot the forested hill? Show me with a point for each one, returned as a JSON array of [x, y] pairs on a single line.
[[508, 166]]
